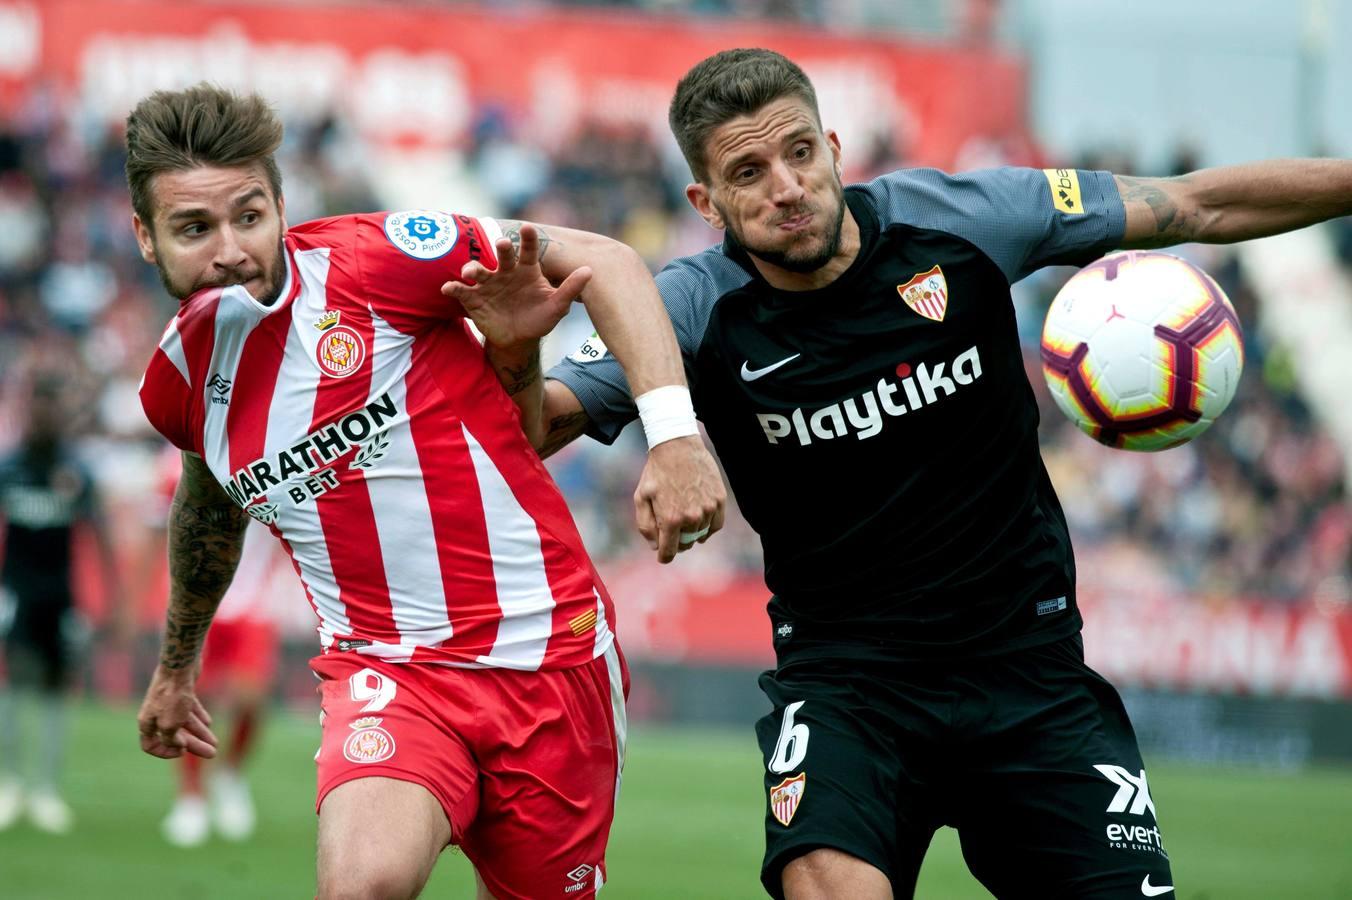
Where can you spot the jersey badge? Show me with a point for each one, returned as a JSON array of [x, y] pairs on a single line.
[[340, 351], [422, 233], [927, 294], [368, 743], [330, 318], [1065, 185], [785, 797]]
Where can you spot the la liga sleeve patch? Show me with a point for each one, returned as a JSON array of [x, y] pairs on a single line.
[[422, 233]]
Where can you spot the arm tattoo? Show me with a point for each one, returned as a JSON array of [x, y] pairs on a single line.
[[563, 430], [511, 229], [206, 534], [516, 379], [1172, 225]]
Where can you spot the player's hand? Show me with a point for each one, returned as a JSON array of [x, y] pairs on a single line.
[[680, 500], [515, 304], [172, 720]]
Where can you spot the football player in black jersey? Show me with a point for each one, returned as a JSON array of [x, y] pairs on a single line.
[[852, 354], [45, 491]]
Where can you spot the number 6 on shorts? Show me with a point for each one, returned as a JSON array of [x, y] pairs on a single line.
[[371, 686], [792, 746]]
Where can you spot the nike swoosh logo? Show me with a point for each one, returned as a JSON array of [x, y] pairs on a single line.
[[1151, 891], [750, 374]]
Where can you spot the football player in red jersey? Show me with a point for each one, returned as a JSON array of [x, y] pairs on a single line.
[[318, 381]]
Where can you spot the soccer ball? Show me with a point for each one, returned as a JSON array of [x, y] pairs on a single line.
[[1142, 350]]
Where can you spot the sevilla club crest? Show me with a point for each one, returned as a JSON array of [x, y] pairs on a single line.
[[785, 797], [927, 294], [340, 351]]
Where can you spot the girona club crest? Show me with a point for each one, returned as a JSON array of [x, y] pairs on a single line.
[[927, 294], [368, 743], [340, 351], [785, 797]]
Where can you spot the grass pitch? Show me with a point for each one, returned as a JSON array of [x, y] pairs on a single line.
[[688, 827]]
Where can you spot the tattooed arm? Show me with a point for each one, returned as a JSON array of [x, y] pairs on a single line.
[[566, 419], [1234, 203], [206, 535], [518, 371]]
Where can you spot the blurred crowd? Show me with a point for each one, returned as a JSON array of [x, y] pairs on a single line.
[[967, 21], [1257, 508]]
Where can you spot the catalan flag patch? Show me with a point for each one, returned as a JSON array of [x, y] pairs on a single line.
[[583, 623]]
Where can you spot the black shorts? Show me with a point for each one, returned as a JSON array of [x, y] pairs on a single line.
[[1029, 755], [39, 631]]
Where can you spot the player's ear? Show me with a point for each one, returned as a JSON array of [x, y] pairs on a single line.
[[699, 197], [145, 240], [281, 209], [833, 141]]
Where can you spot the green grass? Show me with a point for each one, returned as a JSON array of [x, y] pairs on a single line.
[[688, 827]]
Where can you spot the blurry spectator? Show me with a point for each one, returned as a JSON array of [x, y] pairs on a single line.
[[45, 492]]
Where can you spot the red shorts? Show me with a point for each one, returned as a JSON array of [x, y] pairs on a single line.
[[239, 650], [526, 765]]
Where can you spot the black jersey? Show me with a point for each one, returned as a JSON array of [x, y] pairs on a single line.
[[880, 434], [40, 499]]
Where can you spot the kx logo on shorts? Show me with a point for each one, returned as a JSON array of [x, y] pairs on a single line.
[[1133, 798], [1131, 790]]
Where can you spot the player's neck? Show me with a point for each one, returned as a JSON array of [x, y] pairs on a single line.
[[787, 280]]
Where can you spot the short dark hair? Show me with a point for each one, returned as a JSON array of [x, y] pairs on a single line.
[[727, 85], [201, 125]]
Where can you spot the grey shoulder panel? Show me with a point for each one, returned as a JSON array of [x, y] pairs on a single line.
[[1012, 214]]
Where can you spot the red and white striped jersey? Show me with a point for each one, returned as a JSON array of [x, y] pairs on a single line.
[[358, 418]]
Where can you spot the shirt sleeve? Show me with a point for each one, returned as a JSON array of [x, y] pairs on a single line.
[[403, 259], [166, 391], [594, 375], [1023, 219]]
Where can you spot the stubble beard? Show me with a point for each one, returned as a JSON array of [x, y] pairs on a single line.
[[276, 279], [800, 261]]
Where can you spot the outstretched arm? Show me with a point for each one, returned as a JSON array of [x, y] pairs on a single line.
[[621, 299], [680, 498], [1234, 203], [206, 535]]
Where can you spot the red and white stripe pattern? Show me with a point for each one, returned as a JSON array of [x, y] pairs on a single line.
[[420, 520]]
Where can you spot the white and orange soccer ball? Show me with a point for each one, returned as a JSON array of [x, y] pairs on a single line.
[[1142, 350]]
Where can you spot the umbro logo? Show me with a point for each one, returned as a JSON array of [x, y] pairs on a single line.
[[750, 374], [220, 389], [577, 876]]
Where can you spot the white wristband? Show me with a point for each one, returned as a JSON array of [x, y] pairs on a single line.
[[667, 414]]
